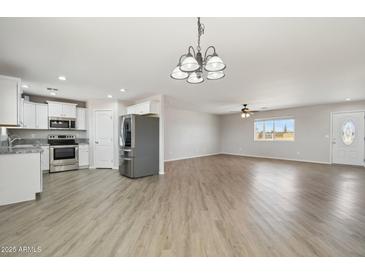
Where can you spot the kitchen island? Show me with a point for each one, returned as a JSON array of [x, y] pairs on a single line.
[[20, 174]]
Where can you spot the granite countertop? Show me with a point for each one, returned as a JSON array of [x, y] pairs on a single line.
[[44, 141], [20, 150]]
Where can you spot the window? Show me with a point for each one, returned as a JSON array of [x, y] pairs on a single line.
[[275, 129]]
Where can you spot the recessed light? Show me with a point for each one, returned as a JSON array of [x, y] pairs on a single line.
[[123, 90], [348, 99], [110, 96], [53, 93], [62, 78], [25, 86]]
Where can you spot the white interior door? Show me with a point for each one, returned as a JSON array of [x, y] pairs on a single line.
[[348, 138], [103, 147]]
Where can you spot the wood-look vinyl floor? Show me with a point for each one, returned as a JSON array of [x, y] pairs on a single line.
[[211, 206]]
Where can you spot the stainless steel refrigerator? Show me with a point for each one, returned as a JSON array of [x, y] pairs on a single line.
[[138, 145]]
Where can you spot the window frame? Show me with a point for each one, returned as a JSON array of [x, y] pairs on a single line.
[[273, 119]]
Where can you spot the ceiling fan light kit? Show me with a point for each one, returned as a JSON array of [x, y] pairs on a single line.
[[191, 65], [246, 112]]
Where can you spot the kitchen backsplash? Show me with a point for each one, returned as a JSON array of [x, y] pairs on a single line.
[[43, 134]]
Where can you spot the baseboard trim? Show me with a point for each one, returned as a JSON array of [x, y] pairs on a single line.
[[191, 157], [277, 158]]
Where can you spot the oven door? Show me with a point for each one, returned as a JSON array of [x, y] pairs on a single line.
[[59, 123], [64, 155]]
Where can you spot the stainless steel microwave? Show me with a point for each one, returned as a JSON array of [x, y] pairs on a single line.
[[61, 123]]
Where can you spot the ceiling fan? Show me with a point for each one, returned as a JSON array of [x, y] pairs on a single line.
[[246, 112]]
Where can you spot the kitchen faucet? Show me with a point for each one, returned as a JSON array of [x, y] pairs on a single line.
[[13, 138]]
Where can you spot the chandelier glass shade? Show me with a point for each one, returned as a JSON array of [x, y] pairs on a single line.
[[178, 74], [195, 78], [214, 64], [191, 66], [215, 75]]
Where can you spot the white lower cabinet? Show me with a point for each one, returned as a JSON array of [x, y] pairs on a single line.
[[83, 155], [45, 158], [21, 177]]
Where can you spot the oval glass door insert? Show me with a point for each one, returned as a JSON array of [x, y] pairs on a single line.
[[348, 132]]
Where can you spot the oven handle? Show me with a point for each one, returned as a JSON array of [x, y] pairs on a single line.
[[77, 153], [76, 146]]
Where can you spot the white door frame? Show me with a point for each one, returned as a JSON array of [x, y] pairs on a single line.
[[94, 122], [331, 129]]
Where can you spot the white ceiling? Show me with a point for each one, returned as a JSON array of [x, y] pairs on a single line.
[[271, 62]]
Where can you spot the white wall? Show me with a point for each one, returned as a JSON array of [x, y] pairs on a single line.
[[312, 133], [190, 133], [118, 108]]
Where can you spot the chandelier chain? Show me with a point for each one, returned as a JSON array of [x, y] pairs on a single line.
[[201, 29]]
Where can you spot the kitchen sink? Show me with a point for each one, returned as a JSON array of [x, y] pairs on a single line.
[[24, 146]]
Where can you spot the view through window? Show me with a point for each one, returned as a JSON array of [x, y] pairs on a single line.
[[279, 129]]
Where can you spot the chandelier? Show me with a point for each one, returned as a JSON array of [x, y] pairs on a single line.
[[192, 65]]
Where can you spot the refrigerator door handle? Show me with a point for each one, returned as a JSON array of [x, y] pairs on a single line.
[[127, 159], [122, 132]]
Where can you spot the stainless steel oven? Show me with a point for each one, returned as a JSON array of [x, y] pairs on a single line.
[[61, 123], [63, 153]]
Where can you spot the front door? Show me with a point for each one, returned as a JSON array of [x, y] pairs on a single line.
[[103, 147], [348, 138]]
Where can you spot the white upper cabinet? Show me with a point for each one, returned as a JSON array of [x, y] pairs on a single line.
[[54, 109], [149, 107], [29, 113], [81, 118], [41, 116], [9, 101], [62, 110], [35, 115], [69, 110]]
